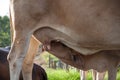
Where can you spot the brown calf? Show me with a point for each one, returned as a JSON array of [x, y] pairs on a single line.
[[100, 61]]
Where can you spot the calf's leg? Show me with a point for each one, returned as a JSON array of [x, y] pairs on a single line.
[[112, 72]]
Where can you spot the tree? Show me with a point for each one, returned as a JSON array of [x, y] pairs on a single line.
[[4, 31]]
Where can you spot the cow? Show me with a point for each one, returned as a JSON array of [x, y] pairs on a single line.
[[86, 26], [38, 73]]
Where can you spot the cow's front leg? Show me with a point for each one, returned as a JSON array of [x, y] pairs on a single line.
[[83, 75], [100, 75], [17, 53], [28, 61]]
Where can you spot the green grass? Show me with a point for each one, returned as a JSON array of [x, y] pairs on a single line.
[[71, 75], [62, 75]]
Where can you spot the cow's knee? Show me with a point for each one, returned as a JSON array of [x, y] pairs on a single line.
[[15, 67]]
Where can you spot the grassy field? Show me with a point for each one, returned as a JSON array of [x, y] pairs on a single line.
[[71, 75]]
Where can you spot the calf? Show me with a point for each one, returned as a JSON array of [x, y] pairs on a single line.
[[100, 62], [38, 72]]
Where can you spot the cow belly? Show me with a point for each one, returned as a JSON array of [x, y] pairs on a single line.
[[50, 34]]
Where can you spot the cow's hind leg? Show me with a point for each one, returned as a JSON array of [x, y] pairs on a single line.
[[28, 61], [18, 51]]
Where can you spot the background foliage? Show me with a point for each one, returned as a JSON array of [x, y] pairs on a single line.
[[4, 31]]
